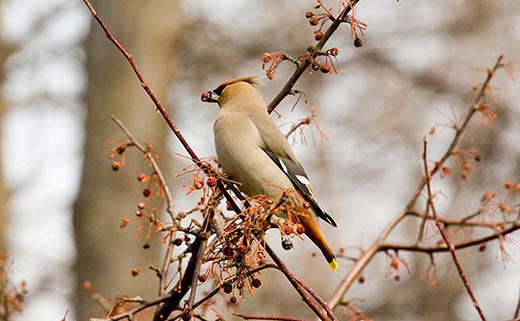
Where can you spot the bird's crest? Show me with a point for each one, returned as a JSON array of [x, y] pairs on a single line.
[[253, 80]]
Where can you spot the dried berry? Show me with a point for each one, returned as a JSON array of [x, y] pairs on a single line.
[[115, 166], [146, 246], [309, 14], [315, 66], [141, 205], [318, 35], [313, 21], [256, 283], [227, 288], [141, 177], [177, 242], [202, 278], [212, 181], [325, 68], [233, 299], [358, 42], [135, 271], [287, 244], [147, 192]]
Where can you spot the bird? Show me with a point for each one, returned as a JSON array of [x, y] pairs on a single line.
[[254, 152]]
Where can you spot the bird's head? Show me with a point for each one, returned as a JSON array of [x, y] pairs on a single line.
[[239, 92]]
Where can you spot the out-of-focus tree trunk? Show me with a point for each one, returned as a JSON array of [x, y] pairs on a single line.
[[4, 191], [105, 253]]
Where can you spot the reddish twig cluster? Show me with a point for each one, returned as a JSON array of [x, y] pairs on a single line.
[[500, 228]]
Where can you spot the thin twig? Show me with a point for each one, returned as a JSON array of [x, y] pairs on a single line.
[[444, 248], [168, 195], [459, 131], [517, 310], [265, 317], [445, 237], [208, 216], [367, 256], [299, 288], [153, 162]]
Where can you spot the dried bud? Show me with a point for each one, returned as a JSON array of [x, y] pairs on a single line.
[[87, 285], [358, 42], [141, 177], [334, 51], [115, 166], [397, 277], [177, 242], [266, 57], [309, 14], [202, 278], [508, 185], [361, 279], [315, 66], [124, 222], [197, 184], [135, 271], [482, 247], [325, 68], [300, 229], [146, 246], [141, 205], [233, 299], [313, 21], [203, 235], [147, 192]]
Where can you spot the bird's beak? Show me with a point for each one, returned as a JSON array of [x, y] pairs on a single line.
[[209, 97]]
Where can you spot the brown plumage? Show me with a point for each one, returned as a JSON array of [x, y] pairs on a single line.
[[252, 149]]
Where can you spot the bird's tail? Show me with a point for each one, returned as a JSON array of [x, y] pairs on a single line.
[[313, 232]]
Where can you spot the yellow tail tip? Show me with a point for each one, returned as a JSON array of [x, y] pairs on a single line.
[[334, 264]]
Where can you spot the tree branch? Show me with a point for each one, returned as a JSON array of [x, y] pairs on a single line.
[[287, 88], [444, 235]]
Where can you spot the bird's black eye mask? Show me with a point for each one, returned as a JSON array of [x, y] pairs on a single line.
[[211, 96]]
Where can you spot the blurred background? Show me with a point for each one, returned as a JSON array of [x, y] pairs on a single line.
[[62, 204]]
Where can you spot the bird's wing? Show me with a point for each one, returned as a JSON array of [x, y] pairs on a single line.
[[276, 146]]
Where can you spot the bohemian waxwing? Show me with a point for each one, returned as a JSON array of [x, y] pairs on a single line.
[[255, 153]]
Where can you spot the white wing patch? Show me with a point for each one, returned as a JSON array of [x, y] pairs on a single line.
[[304, 180], [284, 168]]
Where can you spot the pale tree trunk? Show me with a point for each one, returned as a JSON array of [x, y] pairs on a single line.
[[4, 191], [106, 253]]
